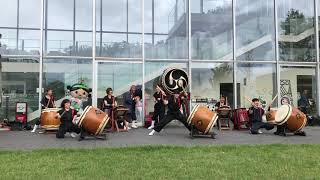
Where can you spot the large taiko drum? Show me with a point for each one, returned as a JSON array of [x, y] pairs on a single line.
[[202, 118], [49, 119], [93, 120], [271, 115], [295, 119], [174, 80]]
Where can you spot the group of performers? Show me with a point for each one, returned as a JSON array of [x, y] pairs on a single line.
[[177, 109]]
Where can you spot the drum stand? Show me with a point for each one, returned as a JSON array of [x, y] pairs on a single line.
[[195, 133], [86, 136]]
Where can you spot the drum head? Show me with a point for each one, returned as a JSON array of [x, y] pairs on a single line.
[[283, 114], [51, 110]]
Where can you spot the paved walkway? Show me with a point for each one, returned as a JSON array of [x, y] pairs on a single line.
[[172, 135]]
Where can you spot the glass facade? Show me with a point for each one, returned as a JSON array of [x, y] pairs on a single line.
[[241, 49]]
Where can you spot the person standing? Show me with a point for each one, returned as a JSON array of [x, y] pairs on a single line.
[[47, 101], [159, 107]]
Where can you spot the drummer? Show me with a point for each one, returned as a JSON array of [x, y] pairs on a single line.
[[159, 107], [281, 129], [109, 102], [174, 112], [46, 102], [255, 114], [67, 115], [221, 103]]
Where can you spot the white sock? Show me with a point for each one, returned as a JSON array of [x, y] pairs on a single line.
[[34, 128], [152, 125], [152, 132]]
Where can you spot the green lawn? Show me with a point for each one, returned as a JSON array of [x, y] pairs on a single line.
[[165, 162]]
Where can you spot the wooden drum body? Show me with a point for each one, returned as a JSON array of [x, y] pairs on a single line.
[[49, 119], [93, 120], [202, 118], [271, 115], [295, 119]]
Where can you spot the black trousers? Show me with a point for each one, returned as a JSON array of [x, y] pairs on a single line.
[[258, 125], [169, 117], [158, 113], [63, 128]]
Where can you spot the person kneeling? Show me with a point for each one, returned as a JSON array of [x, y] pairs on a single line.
[[67, 115], [255, 115]]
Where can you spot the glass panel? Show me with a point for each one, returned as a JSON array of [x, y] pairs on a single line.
[[114, 15], [120, 77], [169, 19], [84, 14], [153, 71], [19, 80], [60, 73], [83, 44], [60, 14], [296, 30], [210, 81], [256, 81], [29, 42], [211, 30], [135, 16], [29, 13], [59, 43], [112, 45], [8, 14], [8, 41], [255, 30], [300, 85]]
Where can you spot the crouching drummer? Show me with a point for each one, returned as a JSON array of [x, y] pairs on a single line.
[[255, 114], [67, 116], [174, 112], [281, 129]]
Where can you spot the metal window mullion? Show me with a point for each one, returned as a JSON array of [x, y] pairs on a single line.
[[188, 10], [278, 73], [94, 63], [18, 14], [234, 54], [317, 55], [41, 56], [74, 28], [101, 19], [143, 61]]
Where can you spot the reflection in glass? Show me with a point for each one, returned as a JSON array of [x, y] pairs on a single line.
[[83, 15], [211, 30], [19, 80], [210, 81], [299, 84], [60, 14], [59, 43], [168, 19], [296, 30], [8, 13], [256, 81], [153, 70], [255, 30], [59, 73], [29, 42], [8, 42], [118, 76], [29, 13]]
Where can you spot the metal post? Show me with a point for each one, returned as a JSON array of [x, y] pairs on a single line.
[[317, 55], [94, 63], [278, 73], [234, 54], [41, 56], [188, 10], [143, 62]]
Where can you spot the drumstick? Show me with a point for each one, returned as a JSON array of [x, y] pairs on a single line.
[[273, 99]]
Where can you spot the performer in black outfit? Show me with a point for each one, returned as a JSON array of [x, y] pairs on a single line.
[[46, 102], [174, 112], [109, 102], [159, 107], [67, 115], [255, 115], [222, 102]]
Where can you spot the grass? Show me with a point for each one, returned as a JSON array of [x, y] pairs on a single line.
[[165, 162]]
